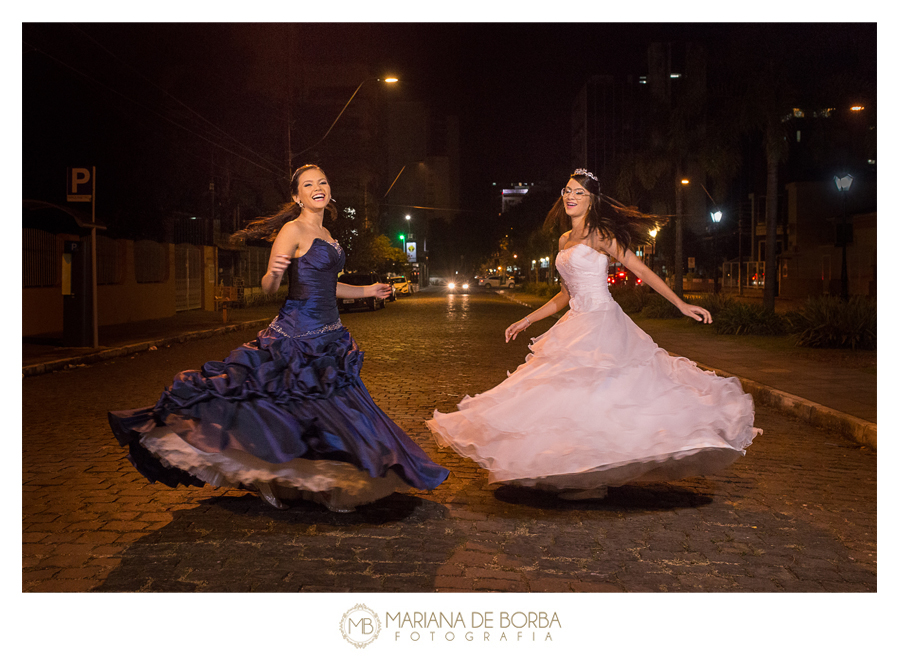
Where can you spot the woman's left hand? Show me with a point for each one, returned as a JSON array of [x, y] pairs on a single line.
[[697, 312], [380, 290]]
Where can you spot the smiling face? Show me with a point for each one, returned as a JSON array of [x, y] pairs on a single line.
[[576, 199], [313, 190]]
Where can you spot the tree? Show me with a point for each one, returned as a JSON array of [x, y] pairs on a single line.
[[683, 137]]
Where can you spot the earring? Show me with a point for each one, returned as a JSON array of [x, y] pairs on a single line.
[[300, 203]]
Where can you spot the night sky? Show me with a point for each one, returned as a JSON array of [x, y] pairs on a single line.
[[511, 84]]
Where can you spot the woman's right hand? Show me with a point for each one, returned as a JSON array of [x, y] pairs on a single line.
[[513, 330], [278, 265]]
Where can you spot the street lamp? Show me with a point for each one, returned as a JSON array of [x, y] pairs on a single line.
[[389, 80], [843, 184], [679, 238], [716, 216]]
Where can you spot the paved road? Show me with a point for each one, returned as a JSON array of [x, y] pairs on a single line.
[[797, 514]]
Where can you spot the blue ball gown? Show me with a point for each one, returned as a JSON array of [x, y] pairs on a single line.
[[286, 414]]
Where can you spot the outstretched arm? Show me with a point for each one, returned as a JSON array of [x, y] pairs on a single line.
[[556, 304], [346, 291], [637, 267]]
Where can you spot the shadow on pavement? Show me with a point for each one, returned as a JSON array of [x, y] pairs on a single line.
[[628, 497], [240, 544]]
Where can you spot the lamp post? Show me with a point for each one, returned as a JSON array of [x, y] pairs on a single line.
[[390, 80], [716, 216], [679, 237], [843, 184]]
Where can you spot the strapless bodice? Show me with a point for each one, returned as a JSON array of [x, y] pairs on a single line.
[[311, 304], [584, 270]]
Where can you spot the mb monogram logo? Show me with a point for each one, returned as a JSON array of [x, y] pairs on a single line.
[[360, 626]]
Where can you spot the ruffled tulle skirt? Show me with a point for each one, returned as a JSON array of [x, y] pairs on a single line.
[[284, 411], [597, 403]]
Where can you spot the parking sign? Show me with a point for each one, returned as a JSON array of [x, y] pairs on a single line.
[[79, 186]]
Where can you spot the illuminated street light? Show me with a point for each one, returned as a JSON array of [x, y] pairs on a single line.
[[716, 217], [843, 184]]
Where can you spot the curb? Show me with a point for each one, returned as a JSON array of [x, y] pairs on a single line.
[[114, 352], [861, 431], [856, 429]]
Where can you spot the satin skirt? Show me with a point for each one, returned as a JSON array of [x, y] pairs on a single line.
[[286, 409], [597, 403]]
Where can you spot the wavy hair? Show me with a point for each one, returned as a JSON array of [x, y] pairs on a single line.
[[625, 226], [266, 228]]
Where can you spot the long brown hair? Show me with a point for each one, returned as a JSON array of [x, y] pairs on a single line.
[[266, 228], [627, 225]]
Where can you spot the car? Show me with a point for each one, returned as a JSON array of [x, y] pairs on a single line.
[[459, 286], [401, 285], [499, 281], [361, 279], [620, 277]]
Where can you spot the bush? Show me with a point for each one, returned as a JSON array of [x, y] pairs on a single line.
[[714, 303], [659, 308], [542, 289], [631, 298], [738, 318], [829, 322]]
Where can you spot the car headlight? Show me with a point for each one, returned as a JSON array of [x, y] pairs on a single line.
[[465, 286], [451, 285]]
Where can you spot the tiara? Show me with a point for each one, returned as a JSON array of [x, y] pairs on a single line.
[[585, 172]]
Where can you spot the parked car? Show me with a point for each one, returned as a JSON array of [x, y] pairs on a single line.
[[401, 285], [499, 281], [361, 279]]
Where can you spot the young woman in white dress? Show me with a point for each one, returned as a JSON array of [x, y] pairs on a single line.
[[597, 403]]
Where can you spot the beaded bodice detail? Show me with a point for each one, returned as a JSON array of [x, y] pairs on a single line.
[[584, 271]]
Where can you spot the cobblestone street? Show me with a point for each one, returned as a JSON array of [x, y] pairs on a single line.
[[797, 514]]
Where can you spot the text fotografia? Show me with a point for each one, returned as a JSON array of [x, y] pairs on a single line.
[[479, 626]]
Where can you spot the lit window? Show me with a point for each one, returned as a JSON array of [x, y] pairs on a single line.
[[857, 108]]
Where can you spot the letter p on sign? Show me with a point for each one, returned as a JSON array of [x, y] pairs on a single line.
[[79, 184]]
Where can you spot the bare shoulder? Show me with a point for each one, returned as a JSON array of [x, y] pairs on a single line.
[[564, 238], [289, 240]]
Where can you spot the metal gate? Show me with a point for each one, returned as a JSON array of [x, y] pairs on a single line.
[[188, 277]]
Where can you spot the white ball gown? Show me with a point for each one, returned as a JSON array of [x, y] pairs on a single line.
[[597, 403]]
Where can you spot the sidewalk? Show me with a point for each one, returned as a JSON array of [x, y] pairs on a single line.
[[43, 354], [827, 388]]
